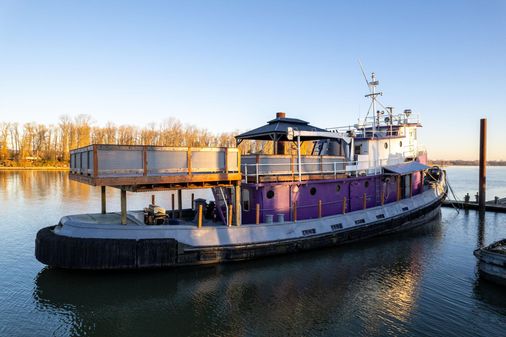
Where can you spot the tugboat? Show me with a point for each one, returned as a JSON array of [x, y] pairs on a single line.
[[296, 187]]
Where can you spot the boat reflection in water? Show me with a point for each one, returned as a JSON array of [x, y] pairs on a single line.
[[368, 288]]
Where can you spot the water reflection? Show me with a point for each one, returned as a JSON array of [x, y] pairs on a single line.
[[481, 230], [343, 290], [491, 294]]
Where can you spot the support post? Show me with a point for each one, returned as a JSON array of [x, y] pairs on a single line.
[[382, 197], [319, 208], [153, 199], [257, 214], [399, 177], [180, 203], [237, 207], [193, 201], [483, 164], [295, 211], [173, 207], [365, 200], [123, 207], [199, 223], [344, 205], [299, 157], [230, 211], [411, 185], [102, 188]]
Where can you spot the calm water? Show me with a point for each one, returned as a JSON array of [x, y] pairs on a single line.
[[419, 283]]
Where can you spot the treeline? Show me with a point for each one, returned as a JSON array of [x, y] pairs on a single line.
[[467, 162], [35, 144]]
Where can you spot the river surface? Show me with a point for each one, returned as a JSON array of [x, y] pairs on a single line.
[[419, 283]]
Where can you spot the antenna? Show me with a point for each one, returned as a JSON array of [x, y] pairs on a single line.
[[363, 73]]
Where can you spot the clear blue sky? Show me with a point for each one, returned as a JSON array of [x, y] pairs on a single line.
[[228, 65]]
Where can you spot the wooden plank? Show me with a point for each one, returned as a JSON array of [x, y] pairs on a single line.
[[95, 161], [145, 160], [189, 161], [153, 180], [226, 160]]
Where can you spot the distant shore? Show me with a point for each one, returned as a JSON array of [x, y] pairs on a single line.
[[33, 168], [465, 162], [431, 162]]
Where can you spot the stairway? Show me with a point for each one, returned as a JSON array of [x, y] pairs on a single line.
[[222, 200]]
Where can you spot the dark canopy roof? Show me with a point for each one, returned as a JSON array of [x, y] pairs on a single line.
[[277, 129], [406, 168]]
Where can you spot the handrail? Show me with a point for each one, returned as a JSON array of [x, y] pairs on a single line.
[[350, 167]]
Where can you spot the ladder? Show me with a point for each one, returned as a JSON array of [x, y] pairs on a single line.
[[221, 198]]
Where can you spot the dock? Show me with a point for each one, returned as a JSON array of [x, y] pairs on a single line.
[[498, 205]]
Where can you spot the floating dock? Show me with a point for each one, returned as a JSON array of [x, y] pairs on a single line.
[[490, 206]]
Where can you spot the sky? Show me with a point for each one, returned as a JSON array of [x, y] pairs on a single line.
[[230, 65]]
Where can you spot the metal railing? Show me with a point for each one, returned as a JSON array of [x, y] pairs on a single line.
[[254, 171], [394, 120], [142, 160]]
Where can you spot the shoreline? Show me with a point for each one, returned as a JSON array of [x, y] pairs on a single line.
[[34, 168]]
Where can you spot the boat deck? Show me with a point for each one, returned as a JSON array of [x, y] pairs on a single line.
[[150, 168], [134, 219]]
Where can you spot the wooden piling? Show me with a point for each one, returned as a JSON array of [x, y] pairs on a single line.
[[153, 199], [483, 164], [193, 201], [102, 188], [180, 203], [199, 223], [319, 208], [344, 205], [295, 211], [257, 212], [365, 200], [123, 207], [382, 198]]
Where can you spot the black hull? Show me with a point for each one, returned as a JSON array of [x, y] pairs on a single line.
[[99, 254]]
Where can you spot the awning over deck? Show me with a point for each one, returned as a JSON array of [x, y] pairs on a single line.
[[277, 130], [405, 168]]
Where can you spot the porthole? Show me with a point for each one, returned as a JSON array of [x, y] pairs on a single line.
[[338, 188], [400, 143], [385, 145], [270, 194], [312, 190], [366, 184]]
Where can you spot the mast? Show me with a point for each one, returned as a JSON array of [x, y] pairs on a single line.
[[372, 87]]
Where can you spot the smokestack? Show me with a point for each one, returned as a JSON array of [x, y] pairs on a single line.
[[280, 115]]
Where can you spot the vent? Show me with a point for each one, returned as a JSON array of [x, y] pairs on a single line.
[[336, 226], [359, 221], [309, 231], [405, 209]]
